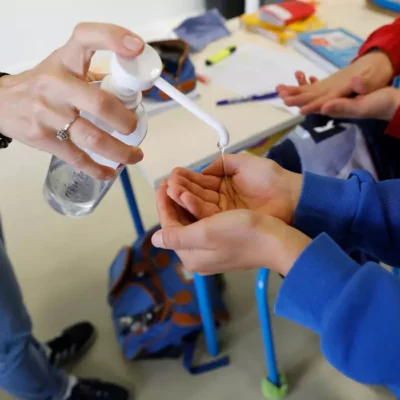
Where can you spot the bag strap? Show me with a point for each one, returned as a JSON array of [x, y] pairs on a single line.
[[189, 345]]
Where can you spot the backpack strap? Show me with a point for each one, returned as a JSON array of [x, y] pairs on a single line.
[[189, 345]]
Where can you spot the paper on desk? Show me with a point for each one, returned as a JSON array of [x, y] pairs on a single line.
[[255, 70]]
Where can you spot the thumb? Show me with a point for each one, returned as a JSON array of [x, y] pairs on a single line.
[[87, 38], [180, 238]]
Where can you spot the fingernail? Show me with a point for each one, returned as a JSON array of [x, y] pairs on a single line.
[[157, 239], [133, 43]]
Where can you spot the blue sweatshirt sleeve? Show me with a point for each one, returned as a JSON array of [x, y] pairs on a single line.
[[354, 308], [358, 213]]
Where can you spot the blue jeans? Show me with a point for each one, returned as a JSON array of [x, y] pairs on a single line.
[[25, 372]]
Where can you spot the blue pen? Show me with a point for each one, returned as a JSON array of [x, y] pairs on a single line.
[[266, 96]]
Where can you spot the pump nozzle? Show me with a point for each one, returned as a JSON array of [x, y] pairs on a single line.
[[144, 71], [190, 105]]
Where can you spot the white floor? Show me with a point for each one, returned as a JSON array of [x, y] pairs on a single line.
[[62, 265]]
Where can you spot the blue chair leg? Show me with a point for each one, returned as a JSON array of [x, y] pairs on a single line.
[[263, 311], [206, 313], [396, 271], [275, 386], [132, 204]]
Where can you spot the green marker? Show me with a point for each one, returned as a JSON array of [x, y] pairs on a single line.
[[221, 55]]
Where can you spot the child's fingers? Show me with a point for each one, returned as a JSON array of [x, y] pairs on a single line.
[[315, 106], [290, 90], [204, 194], [348, 108], [280, 87], [313, 79], [301, 78], [301, 99], [205, 181], [197, 207], [166, 210], [174, 193]]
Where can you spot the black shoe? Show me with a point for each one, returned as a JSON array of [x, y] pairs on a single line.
[[71, 345], [87, 389]]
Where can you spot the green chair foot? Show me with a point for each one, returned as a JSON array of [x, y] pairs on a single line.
[[273, 392]]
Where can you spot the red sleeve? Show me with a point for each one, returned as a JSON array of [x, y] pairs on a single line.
[[393, 129], [387, 39]]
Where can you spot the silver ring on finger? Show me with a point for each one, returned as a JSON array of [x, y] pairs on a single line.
[[63, 134]]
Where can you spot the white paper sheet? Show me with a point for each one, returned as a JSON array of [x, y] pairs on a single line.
[[255, 70]]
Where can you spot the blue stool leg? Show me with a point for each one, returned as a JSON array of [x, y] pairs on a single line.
[[263, 310], [206, 313], [133, 207]]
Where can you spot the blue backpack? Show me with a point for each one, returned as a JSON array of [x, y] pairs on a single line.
[[178, 69], [154, 304]]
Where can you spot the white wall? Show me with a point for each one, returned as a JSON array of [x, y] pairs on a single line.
[[31, 29]]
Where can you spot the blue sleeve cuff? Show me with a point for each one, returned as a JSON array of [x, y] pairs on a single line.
[[326, 205], [314, 282]]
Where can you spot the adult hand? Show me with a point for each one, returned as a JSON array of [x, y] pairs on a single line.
[[232, 240], [370, 72], [36, 104], [252, 183]]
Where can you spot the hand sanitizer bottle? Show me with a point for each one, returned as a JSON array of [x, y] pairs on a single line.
[[72, 193]]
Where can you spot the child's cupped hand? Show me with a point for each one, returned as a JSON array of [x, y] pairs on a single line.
[[252, 183], [367, 74]]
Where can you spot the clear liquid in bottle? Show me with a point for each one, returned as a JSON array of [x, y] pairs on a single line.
[[71, 192]]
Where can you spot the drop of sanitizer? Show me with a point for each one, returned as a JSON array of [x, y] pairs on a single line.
[[222, 150]]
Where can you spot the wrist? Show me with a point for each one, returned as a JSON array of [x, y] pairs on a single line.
[[294, 183], [290, 246], [377, 56], [281, 244]]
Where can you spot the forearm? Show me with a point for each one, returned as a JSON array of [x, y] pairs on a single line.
[[353, 308], [358, 213]]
